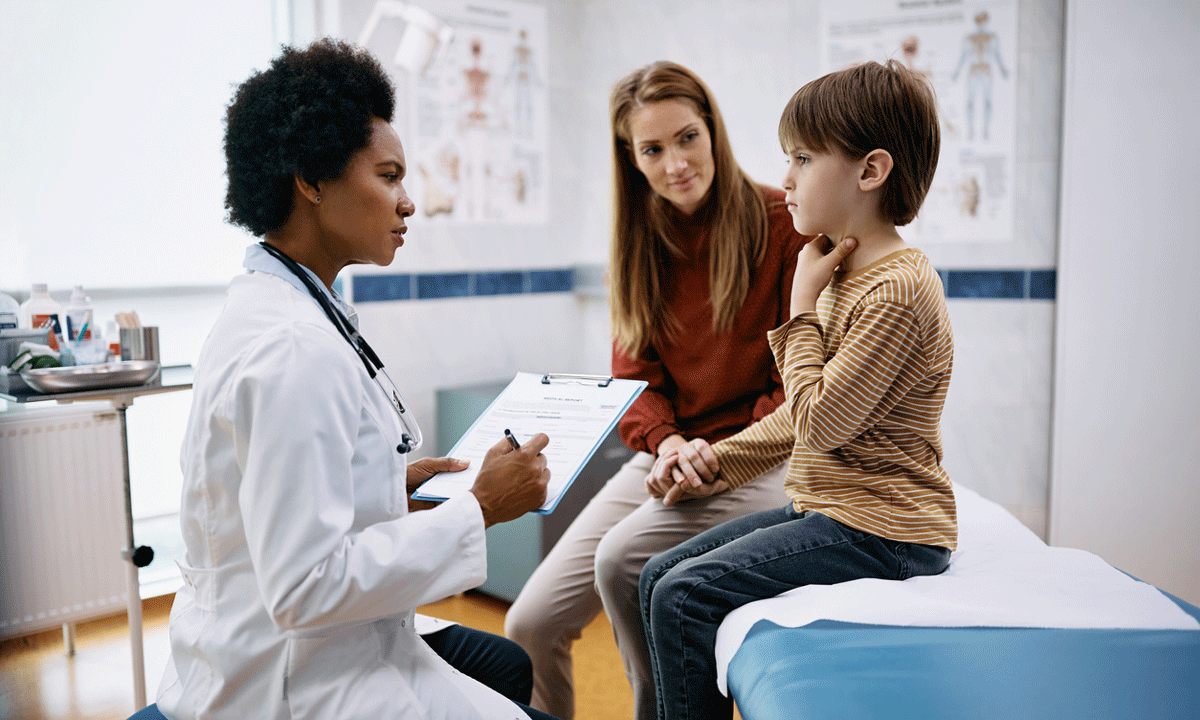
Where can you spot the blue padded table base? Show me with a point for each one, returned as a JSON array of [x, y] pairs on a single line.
[[829, 669]]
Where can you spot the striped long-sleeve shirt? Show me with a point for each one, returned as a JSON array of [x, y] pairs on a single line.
[[865, 378]]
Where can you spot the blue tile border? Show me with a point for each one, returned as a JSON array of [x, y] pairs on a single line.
[[991, 284], [1043, 284], [381, 288], [432, 286], [499, 283], [549, 281], [999, 284], [443, 285], [960, 284]]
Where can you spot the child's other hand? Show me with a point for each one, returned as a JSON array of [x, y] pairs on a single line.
[[692, 463], [684, 491], [815, 266]]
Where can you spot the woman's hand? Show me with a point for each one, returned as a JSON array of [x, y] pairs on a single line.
[[669, 443], [691, 465], [422, 470], [815, 265], [665, 449]]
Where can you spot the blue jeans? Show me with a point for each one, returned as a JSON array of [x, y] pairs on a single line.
[[687, 591]]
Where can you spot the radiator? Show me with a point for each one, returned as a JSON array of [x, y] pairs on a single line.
[[62, 517]]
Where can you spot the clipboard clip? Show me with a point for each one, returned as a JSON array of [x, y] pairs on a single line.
[[600, 380]]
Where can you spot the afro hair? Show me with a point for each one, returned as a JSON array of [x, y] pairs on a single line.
[[303, 116]]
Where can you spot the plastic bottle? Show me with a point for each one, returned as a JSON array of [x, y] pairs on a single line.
[[10, 311], [113, 335], [40, 311], [78, 314]]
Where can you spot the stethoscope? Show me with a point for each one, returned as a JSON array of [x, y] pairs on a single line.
[[410, 438]]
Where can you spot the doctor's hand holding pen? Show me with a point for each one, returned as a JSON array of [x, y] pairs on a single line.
[[512, 480]]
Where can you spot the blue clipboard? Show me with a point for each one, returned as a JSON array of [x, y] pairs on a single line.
[[581, 410]]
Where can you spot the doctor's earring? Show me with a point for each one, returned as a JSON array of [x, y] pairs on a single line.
[[317, 199]]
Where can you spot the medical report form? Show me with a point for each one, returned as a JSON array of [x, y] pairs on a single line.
[[575, 411]]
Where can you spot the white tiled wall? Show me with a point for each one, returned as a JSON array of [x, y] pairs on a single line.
[[753, 54], [432, 344], [997, 417]]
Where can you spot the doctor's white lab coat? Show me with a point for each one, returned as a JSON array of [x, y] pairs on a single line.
[[303, 565]]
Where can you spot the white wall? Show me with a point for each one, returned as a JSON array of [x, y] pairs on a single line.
[[753, 53], [112, 176], [1127, 401], [111, 167]]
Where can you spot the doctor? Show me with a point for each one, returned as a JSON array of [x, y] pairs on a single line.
[[305, 560]]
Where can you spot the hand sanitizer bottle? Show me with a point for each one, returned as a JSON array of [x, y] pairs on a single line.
[[41, 311]]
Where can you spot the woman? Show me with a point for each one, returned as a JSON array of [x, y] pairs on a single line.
[[701, 269], [304, 563]]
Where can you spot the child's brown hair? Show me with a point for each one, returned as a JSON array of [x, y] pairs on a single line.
[[868, 107]]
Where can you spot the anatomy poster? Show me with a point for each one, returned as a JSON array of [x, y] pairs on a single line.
[[968, 51], [478, 117]]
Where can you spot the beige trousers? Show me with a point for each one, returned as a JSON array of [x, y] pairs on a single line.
[[597, 563]]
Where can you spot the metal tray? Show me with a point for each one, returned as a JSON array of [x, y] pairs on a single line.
[[91, 377]]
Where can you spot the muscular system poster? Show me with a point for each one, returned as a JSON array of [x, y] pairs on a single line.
[[479, 117], [968, 51]]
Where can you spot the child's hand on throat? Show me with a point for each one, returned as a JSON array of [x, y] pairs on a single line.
[[815, 265]]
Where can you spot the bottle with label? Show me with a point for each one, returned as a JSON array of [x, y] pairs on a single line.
[[114, 339], [42, 311], [78, 315], [10, 311]]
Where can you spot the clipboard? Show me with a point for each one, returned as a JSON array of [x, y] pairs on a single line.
[[576, 411]]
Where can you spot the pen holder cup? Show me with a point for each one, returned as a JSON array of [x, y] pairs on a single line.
[[139, 343]]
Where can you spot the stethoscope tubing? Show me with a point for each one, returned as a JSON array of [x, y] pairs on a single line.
[[365, 352]]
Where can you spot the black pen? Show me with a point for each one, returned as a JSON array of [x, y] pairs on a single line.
[[508, 434]]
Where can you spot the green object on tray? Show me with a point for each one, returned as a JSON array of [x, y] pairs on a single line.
[[26, 360], [41, 362]]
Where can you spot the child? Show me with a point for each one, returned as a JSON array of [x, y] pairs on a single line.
[[866, 361]]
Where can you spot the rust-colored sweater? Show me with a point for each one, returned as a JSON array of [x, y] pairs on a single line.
[[706, 384]]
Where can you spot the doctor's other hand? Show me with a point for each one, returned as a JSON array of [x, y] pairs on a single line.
[[422, 470], [512, 482]]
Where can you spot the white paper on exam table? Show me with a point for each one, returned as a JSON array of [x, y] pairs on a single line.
[[576, 413]]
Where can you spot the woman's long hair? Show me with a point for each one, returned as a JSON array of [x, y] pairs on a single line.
[[734, 211]]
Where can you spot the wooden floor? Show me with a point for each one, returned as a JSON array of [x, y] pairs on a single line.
[[38, 681]]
